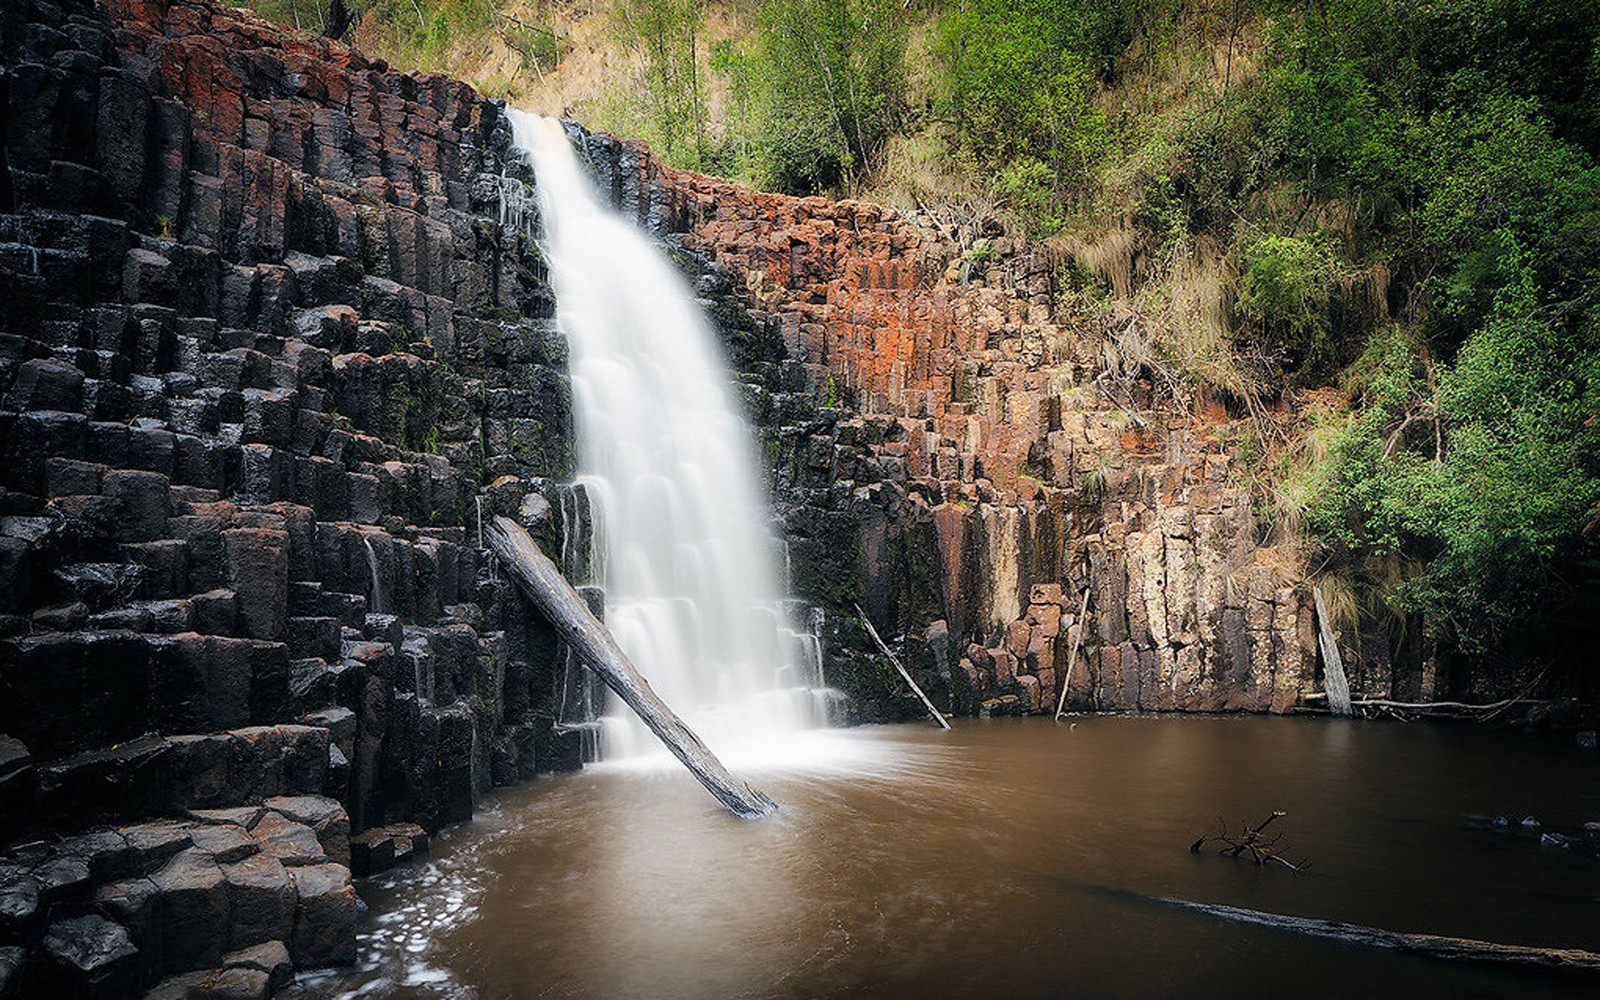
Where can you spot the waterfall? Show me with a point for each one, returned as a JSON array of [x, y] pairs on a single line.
[[691, 571]]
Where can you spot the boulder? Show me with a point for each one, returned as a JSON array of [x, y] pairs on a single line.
[[63, 880], [290, 842], [271, 958], [245, 816], [12, 962], [19, 784], [261, 899], [150, 846], [103, 850], [192, 911], [225, 842], [323, 815], [88, 957], [179, 987], [232, 984], [19, 902], [325, 917], [131, 903], [383, 847]]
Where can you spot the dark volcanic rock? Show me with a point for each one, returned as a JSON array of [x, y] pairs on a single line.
[[225, 842], [290, 842], [323, 815], [88, 957], [132, 903], [18, 787], [151, 845], [383, 847], [325, 917], [271, 958], [246, 312], [12, 962], [19, 902], [264, 338], [261, 899], [192, 911]]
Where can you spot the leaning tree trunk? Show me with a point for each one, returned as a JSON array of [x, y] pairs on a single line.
[[1333, 679], [592, 641]]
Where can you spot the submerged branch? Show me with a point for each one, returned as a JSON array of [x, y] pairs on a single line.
[[1563, 960], [1263, 850], [1423, 706]]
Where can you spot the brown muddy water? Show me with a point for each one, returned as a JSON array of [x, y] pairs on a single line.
[[1008, 858]]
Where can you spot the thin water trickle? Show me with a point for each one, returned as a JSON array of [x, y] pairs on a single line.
[[692, 582], [378, 604]]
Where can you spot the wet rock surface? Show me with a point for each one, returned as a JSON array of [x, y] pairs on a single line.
[[118, 909]]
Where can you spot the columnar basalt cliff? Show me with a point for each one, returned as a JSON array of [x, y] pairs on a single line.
[[267, 354], [274, 337], [983, 465]]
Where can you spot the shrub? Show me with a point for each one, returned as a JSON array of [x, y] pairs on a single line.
[[1284, 291]]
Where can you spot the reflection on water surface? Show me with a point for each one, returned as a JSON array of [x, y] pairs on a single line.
[[910, 862]]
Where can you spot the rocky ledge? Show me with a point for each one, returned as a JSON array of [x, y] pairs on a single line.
[[217, 903]]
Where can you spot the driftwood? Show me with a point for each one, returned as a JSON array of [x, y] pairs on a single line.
[[1338, 688], [1569, 961], [1083, 626], [1574, 962], [1261, 846], [592, 641], [938, 716], [1459, 708]]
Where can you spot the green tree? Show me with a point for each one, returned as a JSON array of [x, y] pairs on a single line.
[[833, 80], [1017, 78], [665, 35]]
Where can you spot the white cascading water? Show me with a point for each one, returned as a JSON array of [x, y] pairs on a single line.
[[683, 550]]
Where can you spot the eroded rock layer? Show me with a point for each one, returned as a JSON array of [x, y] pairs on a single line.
[[983, 465]]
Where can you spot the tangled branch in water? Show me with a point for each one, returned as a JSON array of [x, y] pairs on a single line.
[[1254, 841]]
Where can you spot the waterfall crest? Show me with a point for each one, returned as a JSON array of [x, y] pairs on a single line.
[[683, 544]]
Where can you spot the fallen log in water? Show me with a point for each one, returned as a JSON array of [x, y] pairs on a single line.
[[1442, 707], [1569, 961], [592, 641]]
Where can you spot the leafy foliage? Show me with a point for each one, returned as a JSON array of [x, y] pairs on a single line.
[[1018, 80], [1482, 189], [424, 32], [832, 82], [1284, 292], [1488, 476], [665, 33]]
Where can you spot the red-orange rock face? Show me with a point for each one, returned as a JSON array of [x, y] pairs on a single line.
[[985, 450]]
